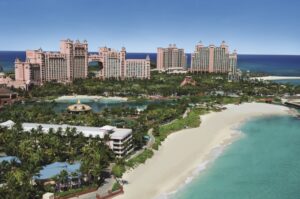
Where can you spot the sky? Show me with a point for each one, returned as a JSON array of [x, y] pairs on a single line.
[[249, 26]]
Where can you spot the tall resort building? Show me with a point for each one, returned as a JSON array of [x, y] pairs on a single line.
[[115, 65], [213, 59], [64, 66], [171, 57]]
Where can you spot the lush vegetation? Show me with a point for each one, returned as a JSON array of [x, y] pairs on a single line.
[[192, 120], [159, 84], [120, 167], [116, 186], [140, 159], [36, 149]]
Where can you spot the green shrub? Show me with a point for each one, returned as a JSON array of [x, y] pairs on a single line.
[[118, 170], [140, 159], [116, 186], [191, 121]]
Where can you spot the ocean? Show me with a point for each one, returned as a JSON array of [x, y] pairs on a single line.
[[263, 164], [286, 65]]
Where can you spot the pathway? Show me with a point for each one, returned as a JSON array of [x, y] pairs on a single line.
[[148, 146]]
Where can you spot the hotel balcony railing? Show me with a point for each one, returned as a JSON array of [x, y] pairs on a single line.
[[119, 147]]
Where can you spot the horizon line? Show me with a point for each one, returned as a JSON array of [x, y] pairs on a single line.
[[156, 52]]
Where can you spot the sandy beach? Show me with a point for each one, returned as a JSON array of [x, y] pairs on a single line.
[[89, 97], [276, 78], [186, 151]]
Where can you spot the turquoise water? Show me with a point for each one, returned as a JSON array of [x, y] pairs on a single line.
[[263, 164], [98, 106], [288, 81]]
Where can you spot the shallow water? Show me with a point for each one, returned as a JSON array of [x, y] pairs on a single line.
[[262, 164]]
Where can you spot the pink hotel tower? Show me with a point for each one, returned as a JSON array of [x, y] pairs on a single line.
[[115, 65], [213, 59], [64, 66], [170, 58]]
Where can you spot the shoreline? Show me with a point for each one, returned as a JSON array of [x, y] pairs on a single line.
[[209, 159], [187, 152], [270, 78]]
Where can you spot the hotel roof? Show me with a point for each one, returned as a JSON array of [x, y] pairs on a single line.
[[116, 133], [120, 133], [9, 159], [51, 170], [87, 131], [8, 124], [108, 128]]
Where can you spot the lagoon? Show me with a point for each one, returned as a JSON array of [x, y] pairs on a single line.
[[98, 104]]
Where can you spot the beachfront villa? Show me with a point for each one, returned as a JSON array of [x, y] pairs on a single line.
[[120, 139], [79, 108]]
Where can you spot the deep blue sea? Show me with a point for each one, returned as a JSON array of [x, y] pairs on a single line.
[[286, 65], [263, 164]]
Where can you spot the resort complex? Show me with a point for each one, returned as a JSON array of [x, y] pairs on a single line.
[[122, 100], [78, 139], [113, 64], [64, 66], [213, 59], [72, 61], [170, 58], [73, 128]]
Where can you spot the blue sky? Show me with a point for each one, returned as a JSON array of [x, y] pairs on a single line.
[[251, 27]]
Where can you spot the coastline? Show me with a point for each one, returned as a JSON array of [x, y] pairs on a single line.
[[190, 150], [276, 78]]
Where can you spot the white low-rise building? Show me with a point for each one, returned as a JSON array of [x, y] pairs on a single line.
[[120, 139]]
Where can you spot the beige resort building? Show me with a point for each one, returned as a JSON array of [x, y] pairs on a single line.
[[70, 63], [115, 65], [171, 57], [213, 59]]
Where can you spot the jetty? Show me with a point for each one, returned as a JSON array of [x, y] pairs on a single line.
[[295, 104], [292, 101]]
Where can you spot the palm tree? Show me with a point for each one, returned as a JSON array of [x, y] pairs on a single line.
[[18, 184], [75, 175], [94, 160], [63, 179]]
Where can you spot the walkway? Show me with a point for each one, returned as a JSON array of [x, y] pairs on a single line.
[[102, 190], [148, 146]]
